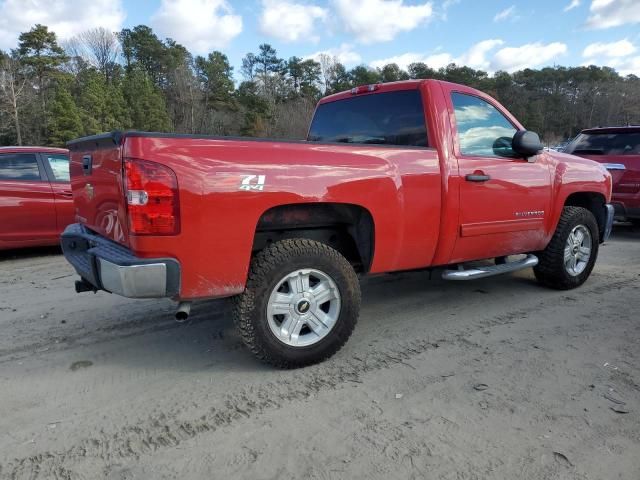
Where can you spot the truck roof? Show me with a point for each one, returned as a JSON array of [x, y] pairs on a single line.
[[623, 129], [379, 87], [31, 149]]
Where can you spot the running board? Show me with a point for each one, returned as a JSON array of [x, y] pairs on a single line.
[[490, 270]]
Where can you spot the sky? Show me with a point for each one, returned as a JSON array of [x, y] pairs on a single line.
[[484, 34]]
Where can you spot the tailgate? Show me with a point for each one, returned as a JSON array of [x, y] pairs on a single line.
[[97, 184], [624, 169], [629, 181]]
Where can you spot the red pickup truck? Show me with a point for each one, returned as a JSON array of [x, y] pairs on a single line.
[[35, 196], [618, 149], [398, 176]]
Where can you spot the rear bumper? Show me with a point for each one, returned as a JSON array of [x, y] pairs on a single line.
[[626, 212], [114, 268]]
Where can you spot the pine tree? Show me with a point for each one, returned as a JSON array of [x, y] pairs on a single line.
[[147, 108], [65, 123], [92, 101], [39, 51]]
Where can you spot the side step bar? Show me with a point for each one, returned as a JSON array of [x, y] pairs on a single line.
[[490, 270]]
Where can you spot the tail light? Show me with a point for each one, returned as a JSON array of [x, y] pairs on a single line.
[[365, 89], [152, 198]]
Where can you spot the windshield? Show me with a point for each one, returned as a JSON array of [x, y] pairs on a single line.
[[391, 118], [606, 144]]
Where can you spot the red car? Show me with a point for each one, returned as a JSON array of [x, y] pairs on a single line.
[[36, 203], [399, 176], [618, 149]]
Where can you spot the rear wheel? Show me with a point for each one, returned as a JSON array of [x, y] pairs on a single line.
[[300, 305], [571, 254]]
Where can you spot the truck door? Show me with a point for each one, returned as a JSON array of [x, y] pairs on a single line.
[[503, 198], [57, 167], [27, 207]]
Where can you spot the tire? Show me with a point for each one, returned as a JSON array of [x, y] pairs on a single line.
[[276, 283], [552, 269]]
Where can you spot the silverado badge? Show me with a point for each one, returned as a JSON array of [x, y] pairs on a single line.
[[532, 213]]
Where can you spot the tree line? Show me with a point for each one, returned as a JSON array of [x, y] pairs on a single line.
[[51, 92]]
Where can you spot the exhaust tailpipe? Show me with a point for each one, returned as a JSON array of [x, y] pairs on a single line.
[[182, 314]]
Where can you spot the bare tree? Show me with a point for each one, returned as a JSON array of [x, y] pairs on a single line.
[[100, 47], [76, 56], [12, 86], [328, 70]]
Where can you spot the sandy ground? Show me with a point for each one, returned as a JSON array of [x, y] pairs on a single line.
[[97, 386]]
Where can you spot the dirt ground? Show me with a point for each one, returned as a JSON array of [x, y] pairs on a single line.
[[493, 379]]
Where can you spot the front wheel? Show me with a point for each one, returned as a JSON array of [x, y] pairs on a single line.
[[300, 305], [571, 254]]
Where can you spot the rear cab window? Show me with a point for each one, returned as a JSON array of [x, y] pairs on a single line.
[[386, 118], [605, 143], [19, 167]]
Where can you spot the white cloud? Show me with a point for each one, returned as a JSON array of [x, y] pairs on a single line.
[[506, 14], [290, 21], [66, 19], [439, 60], [446, 6], [475, 57], [612, 13], [529, 55], [344, 54], [626, 66], [615, 55], [200, 25], [622, 48], [402, 60], [380, 20], [572, 5]]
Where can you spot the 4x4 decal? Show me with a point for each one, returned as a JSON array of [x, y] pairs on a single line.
[[252, 182]]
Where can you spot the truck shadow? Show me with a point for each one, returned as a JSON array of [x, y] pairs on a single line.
[[31, 252], [625, 232], [208, 340]]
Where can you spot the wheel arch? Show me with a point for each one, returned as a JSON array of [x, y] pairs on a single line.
[[594, 202], [349, 228]]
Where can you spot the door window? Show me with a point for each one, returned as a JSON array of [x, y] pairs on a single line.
[[19, 166], [482, 129], [59, 167]]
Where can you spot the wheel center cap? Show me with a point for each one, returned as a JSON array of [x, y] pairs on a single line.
[[303, 306]]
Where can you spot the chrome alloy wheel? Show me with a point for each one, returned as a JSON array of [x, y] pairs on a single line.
[[577, 250], [303, 307]]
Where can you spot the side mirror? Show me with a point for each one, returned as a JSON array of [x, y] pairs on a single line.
[[526, 143]]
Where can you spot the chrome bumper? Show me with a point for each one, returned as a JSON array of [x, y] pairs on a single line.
[[109, 266], [134, 281], [608, 225]]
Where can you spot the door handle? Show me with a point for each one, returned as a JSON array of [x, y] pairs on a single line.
[[477, 177], [66, 194], [87, 164]]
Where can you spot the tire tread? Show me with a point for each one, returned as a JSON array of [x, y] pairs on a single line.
[[265, 262], [550, 261]]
